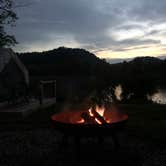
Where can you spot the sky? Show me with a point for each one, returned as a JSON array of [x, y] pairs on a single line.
[[107, 28]]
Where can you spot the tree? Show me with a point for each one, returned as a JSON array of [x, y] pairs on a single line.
[[7, 18]]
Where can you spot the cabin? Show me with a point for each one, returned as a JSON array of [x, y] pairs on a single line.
[[14, 77]]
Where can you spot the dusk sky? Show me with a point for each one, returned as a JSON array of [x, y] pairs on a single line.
[[108, 28]]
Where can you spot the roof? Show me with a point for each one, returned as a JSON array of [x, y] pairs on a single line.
[[6, 55]]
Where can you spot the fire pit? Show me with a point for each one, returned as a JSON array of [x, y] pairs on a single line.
[[94, 122], [97, 121]]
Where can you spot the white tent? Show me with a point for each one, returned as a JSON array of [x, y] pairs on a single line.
[[6, 55]]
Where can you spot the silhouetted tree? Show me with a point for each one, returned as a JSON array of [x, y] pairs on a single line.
[[7, 17]]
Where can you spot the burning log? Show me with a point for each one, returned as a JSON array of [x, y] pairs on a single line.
[[98, 117], [87, 118]]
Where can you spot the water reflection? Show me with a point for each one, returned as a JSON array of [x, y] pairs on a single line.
[[118, 92], [159, 97]]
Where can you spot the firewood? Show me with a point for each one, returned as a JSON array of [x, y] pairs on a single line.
[[88, 118], [98, 116]]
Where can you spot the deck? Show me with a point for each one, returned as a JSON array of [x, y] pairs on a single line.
[[23, 110]]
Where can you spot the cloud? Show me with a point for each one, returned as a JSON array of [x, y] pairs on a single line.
[[94, 25]]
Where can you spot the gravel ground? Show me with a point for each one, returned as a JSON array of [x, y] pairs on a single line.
[[39, 146]]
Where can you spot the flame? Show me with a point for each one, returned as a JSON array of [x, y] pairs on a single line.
[[98, 121], [81, 121], [108, 120], [90, 112], [100, 110]]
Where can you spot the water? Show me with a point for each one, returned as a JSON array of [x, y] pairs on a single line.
[[118, 92], [159, 97]]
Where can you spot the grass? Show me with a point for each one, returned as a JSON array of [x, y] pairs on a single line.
[[147, 122]]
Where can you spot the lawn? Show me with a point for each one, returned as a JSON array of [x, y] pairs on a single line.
[[147, 122]]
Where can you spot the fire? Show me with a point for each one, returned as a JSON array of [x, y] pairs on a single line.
[[96, 114], [81, 121], [90, 112], [98, 121], [108, 120], [100, 111]]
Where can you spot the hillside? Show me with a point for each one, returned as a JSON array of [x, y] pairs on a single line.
[[120, 60], [63, 61]]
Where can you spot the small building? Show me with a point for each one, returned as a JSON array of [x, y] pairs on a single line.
[[14, 77]]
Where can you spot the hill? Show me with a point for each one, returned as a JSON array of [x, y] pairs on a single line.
[[63, 61], [120, 60], [77, 72]]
